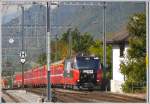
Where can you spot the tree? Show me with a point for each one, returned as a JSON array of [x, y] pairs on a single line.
[[97, 49], [134, 65], [42, 59], [61, 51], [80, 42]]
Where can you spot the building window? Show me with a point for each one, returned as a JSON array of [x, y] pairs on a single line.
[[121, 50]]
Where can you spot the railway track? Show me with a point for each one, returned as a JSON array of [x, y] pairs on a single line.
[[6, 97], [124, 98], [61, 97], [86, 96], [103, 96]]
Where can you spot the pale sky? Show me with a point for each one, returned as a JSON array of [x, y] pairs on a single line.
[[12, 11]]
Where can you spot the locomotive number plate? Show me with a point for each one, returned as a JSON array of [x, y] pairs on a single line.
[[87, 71]]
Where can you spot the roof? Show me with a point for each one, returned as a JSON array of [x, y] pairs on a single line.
[[119, 37]]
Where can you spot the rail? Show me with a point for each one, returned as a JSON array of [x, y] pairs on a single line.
[[70, 96], [11, 97]]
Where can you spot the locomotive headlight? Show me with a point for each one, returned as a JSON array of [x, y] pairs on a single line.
[[78, 80], [97, 80]]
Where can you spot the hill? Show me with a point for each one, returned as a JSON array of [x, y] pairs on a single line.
[[85, 18]]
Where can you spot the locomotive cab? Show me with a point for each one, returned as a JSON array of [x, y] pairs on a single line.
[[88, 71]]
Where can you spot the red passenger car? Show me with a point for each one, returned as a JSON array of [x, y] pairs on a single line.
[[18, 80]]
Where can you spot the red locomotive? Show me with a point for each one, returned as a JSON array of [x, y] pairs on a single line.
[[81, 71]]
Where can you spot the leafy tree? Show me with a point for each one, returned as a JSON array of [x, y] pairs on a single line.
[[6, 73], [63, 49], [80, 42], [97, 49], [42, 59], [134, 65], [61, 52]]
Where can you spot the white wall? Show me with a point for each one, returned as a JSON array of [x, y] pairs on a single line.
[[117, 76], [116, 64], [116, 86]]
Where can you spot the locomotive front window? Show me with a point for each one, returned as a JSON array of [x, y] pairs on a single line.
[[87, 63]]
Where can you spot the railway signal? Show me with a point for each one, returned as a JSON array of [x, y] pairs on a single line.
[[22, 54], [22, 60], [104, 39]]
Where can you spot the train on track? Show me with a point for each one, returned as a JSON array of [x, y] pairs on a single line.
[[78, 72]]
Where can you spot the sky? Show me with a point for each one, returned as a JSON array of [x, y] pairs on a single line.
[[11, 11]]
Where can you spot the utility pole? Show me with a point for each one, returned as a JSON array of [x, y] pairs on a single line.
[[49, 94], [104, 40], [22, 62], [70, 43], [48, 53], [11, 41], [56, 46]]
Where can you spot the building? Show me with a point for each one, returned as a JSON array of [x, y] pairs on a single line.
[[119, 44]]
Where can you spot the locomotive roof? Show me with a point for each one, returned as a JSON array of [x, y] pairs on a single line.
[[86, 56]]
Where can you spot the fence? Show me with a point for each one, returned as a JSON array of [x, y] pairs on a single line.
[[135, 86]]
